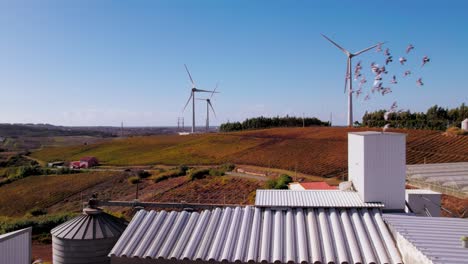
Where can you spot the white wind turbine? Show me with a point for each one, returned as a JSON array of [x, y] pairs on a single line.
[[348, 75], [192, 96], [208, 105]]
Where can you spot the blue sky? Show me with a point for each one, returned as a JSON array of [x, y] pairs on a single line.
[[103, 62]]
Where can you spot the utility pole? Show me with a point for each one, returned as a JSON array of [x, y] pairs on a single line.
[[121, 129], [331, 118]]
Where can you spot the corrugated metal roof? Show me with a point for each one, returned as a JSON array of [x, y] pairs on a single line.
[[308, 198], [266, 235], [91, 225], [438, 238]]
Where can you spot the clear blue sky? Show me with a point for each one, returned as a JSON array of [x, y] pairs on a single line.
[[102, 62]]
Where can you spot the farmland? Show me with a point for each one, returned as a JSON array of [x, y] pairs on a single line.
[[320, 151], [39, 192]]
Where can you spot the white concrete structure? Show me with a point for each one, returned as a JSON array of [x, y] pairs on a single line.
[[377, 167], [464, 124], [423, 202], [15, 247]]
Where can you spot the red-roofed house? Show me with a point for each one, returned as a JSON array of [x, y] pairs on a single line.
[[311, 186], [88, 162]]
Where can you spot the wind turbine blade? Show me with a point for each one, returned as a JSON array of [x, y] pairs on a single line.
[[347, 75], [205, 91], [334, 43], [190, 76], [214, 90], [366, 49], [209, 103], [188, 101], [200, 99]]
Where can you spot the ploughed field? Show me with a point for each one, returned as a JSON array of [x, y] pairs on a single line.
[[320, 151]]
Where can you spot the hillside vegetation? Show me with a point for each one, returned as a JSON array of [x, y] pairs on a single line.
[[318, 151]]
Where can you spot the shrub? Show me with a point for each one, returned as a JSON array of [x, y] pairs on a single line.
[[37, 212], [142, 174], [216, 172], [198, 174], [134, 180], [40, 224], [279, 183], [228, 167], [170, 174]]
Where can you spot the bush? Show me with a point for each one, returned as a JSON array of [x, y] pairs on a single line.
[[134, 180], [142, 174], [170, 174], [216, 172], [279, 183], [40, 224], [37, 212], [228, 167], [198, 174]]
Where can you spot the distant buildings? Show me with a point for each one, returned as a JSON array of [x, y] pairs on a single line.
[[311, 186], [84, 163]]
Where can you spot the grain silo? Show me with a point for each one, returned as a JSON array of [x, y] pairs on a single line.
[[464, 124], [87, 238]]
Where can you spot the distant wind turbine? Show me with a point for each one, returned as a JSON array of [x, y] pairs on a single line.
[[348, 74], [208, 105], [192, 96]]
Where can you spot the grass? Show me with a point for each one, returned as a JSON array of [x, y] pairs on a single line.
[[38, 192]]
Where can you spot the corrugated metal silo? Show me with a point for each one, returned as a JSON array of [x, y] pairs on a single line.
[[87, 238]]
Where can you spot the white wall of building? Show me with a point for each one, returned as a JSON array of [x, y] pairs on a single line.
[[419, 199], [15, 247], [377, 167]]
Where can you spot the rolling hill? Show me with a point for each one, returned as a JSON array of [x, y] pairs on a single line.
[[320, 151]]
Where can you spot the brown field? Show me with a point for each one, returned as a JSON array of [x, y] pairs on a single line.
[[320, 151]]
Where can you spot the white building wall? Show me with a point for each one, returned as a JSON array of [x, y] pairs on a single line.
[[419, 199], [377, 167], [15, 247]]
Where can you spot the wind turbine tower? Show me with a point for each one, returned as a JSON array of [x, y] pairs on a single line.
[[349, 76], [192, 96], [208, 105]]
